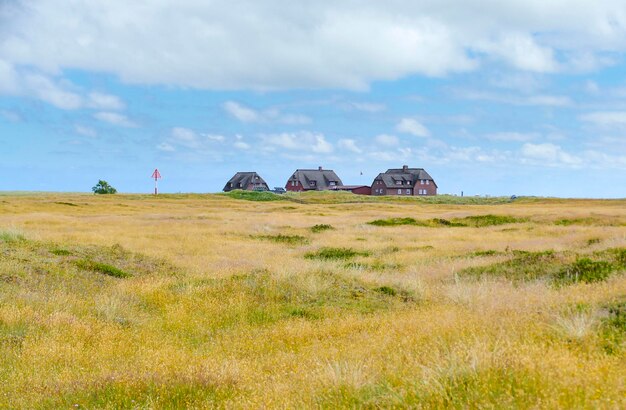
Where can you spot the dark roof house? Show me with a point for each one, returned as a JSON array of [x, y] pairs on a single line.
[[312, 180], [248, 181], [404, 181]]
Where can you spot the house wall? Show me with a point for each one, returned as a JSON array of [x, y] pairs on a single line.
[[297, 188], [431, 189], [364, 190]]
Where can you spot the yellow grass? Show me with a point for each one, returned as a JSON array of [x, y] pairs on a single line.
[[215, 314]]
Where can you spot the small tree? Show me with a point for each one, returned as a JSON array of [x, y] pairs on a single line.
[[103, 187]]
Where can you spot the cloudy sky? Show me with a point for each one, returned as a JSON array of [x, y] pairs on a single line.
[[492, 97]]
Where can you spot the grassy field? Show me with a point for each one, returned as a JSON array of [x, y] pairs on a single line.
[[316, 300]]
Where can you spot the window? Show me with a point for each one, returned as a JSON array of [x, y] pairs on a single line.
[[427, 182], [398, 182], [408, 192], [421, 182], [399, 192], [333, 183], [293, 183]]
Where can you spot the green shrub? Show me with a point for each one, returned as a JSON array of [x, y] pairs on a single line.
[[489, 252], [321, 228], [387, 290], [585, 270], [11, 237], [394, 222], [60, 252], [262, 196], [335, 253], [103, 187], [489, 220], [288, 239], [86, 264], [613, 327]]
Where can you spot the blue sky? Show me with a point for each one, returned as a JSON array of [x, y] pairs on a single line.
[[491, 97]]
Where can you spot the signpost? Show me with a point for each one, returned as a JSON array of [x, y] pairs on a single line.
[[156, 175]]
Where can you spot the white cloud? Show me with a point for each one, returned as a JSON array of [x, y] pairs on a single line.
[[8, 78], [240, 143], [365, 107], [521, 51], [185, 139], [11, 116], [335, 44], [385, 139], [413, 127], [243, 114], [102, 101], [529, 100], [512, 136], [166, 147], [247, 114], [46, 90], [85, 131], [606, 119], [549, 155], [304, 141], [349, 145], [114, 118]]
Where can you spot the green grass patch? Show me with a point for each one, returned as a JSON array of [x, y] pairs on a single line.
[[584, 270], [613, 327], [86, 264], [321, 228], [480, 221], [477, 221], [335, 254], [262, 196], [288, 239], [11, 237], [562, 268], [60, 252], [488, 252]]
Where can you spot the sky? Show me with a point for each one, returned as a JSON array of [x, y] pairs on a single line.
[[491, 97]]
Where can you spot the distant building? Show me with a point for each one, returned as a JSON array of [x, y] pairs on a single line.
[[404, 181], [313, 180], [248, 181], [355, 189]]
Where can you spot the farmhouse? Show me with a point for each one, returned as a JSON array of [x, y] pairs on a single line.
[[248, 181], [313, 180], [404, 181]]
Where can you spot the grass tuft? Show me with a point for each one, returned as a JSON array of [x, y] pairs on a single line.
[[288, 239], [262, 196], [336, 253], [321, 228], [86, 264]]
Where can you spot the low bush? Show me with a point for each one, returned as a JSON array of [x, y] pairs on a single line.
[[86, 264], [489, 220], [394, 222], [262, 196], [321, 228], [585, 270], [335, 253], [288, 239], [613, 327]]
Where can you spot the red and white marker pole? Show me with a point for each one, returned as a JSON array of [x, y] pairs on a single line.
[[156, 175]]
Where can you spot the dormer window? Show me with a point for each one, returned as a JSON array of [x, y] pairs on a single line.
[[312, 183], [332, 183], [427, 182]]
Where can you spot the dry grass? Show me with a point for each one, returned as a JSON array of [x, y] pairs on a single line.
[[221, 307]]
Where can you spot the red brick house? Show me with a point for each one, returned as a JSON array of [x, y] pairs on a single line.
[[248, 181], [312, 180], [404, 181], [355, 189]]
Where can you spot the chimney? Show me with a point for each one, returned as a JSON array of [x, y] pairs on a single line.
[[405, 168], [319, 168]]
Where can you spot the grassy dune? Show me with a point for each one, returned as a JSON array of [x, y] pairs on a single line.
[[202, 301]]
